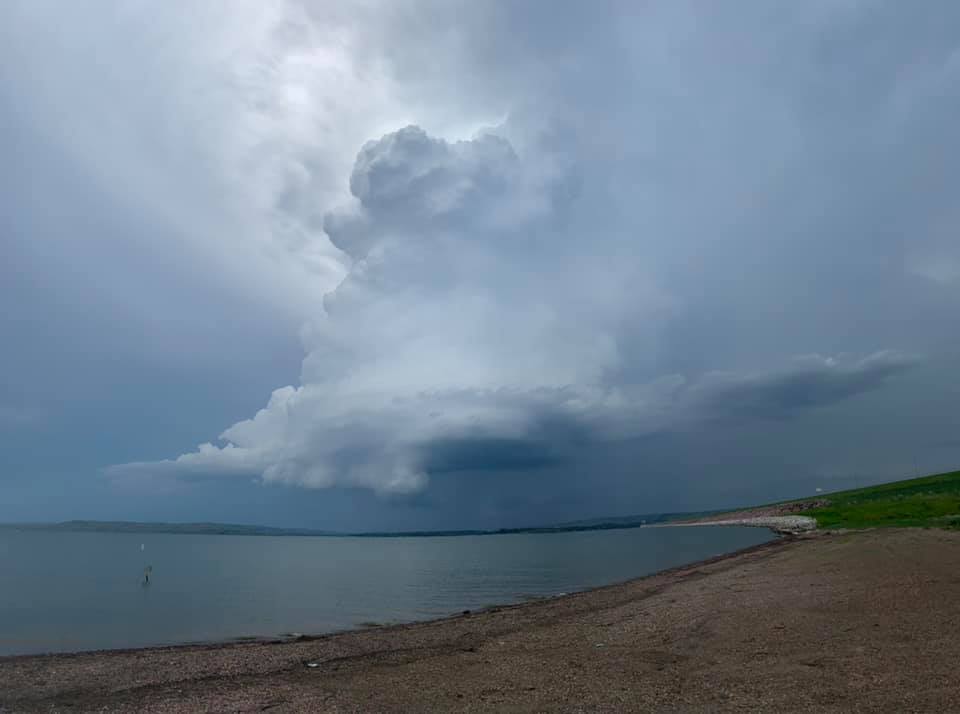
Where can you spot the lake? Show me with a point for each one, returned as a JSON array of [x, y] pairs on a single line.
[[64, 591]]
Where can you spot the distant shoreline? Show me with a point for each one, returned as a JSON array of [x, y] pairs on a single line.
[[251, 530], [781, 525]]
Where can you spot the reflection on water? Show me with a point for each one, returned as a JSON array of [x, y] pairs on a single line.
[[71, 591]]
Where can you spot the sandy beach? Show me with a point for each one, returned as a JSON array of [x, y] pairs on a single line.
[[860, 621]]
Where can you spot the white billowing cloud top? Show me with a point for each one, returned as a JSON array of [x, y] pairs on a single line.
[[499, 223], [465, 317], [464, 314]]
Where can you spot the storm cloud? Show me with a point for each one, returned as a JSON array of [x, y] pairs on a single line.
[[465, 321], [543, 246]]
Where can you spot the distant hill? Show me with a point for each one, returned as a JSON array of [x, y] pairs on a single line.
[[191, 528], [593, 524], [928, 501]]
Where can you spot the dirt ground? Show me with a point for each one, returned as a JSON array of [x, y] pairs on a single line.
[[866, 621]]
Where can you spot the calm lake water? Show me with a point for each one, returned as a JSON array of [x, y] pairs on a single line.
[[79, 591]]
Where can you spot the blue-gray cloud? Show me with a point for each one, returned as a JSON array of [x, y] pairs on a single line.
[[809, 383], [602, 232]]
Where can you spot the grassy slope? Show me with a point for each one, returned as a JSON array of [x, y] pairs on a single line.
[[928, 501]]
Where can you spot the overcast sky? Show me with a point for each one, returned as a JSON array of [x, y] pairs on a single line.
[[366, 265]]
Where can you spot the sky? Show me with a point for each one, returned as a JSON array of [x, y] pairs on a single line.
[[408, 265]]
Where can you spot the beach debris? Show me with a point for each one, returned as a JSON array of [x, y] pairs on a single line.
[[313, 665]]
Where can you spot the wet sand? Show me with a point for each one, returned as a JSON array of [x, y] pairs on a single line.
[[866, 621]]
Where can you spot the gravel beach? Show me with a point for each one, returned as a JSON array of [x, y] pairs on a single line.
[[865, 621]]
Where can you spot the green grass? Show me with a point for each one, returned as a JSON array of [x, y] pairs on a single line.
[[931, 501]]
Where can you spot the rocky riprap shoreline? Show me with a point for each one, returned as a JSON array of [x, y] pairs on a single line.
[[781, 518], [785, 525]]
